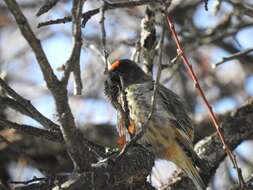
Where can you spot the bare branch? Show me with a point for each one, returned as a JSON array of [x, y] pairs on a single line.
[[27, 129], [233, 56], [73, 64], [73, 139], [49, 4], [87, 15], [50, 135], [103, 31], [25, 107]]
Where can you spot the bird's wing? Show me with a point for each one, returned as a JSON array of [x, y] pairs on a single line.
[[178, 114], [183, 127]]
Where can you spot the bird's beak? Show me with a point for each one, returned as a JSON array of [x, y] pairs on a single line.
[[113, 66], [109, 67]]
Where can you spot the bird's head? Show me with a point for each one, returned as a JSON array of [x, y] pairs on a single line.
[[126, 71], [122, 72]]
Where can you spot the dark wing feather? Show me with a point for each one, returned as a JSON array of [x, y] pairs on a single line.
[[174, 105], [182, 122]]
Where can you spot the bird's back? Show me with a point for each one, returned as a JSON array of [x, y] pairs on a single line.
[[161, 127]]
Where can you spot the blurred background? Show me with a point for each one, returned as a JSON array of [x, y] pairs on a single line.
[[207, 36]]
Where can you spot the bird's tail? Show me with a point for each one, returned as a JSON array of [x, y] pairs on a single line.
[[193, 173], [180, 158]]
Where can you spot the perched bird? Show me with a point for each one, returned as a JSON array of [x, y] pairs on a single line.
[[169, 133]]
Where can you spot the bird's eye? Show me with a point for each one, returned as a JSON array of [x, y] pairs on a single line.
[[113, 78]]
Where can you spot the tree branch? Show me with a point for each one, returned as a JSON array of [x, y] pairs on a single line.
[[27, 129], [73, 64], [49, 4], [25, 107], [87, 15], [233, 56], [73, 139]]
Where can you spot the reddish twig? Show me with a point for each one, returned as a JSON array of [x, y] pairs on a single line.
[[209, 107]]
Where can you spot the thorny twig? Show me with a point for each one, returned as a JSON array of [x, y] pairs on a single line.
[[210, 110], [233, 56]]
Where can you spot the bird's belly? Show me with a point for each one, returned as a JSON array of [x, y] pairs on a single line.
[[158, 135]]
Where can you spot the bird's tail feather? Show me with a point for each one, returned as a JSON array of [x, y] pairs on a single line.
[[176, 154], [193, 173]]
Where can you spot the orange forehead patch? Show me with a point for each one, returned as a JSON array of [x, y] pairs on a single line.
[[114, 65]]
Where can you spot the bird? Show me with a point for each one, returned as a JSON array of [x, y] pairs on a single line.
[[169, 133]]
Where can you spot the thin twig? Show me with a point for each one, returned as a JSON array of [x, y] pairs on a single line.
[[209, 107], [233, 56], [206, 4], [87, 15], [49, 4], [172, 74], [103, 33], [73, 63], [35, 179], [77, 33], [172, 62]]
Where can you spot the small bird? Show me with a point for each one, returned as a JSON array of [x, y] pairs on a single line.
[[169, 133]]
